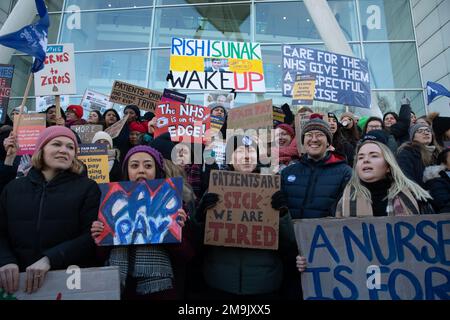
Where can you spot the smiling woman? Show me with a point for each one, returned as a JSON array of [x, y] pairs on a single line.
[[32, 211]]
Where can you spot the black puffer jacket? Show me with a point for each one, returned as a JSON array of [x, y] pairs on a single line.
[[400, 130], [437, 182], [51, 219]]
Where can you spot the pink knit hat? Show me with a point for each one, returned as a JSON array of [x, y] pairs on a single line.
[[53, 132]]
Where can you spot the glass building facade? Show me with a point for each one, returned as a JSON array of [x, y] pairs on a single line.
[[129, 40]]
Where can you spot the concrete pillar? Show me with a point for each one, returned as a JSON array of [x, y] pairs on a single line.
[[23, 14], [331, 33]]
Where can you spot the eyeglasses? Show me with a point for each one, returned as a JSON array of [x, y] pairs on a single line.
[[374, 127], [318, 135], [423, 131]]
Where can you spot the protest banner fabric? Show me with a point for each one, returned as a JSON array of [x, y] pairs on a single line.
[[214, 65], [251, 116], [376, 258], [72, 284], [117, 127], [243, 216], [93, 100], [125, 93], [95, 157], [143, 212], [6, 76], [339, 79], [185, 122], [304, 90], [31, 126], [58, 76], [86, 132]]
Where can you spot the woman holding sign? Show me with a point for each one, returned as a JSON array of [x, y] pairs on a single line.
[[45, 217], [151, 273], [239, 273]]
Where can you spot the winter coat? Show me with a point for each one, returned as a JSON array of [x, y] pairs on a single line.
[[53, 219], [314, 188], [437, 182]]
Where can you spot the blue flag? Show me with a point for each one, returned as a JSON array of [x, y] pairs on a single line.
[[31, 39], [434, 90]]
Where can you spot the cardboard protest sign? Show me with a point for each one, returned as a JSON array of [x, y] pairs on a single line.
[[173, 96], [42, 103], [215, 65], [117, 127], [185, 122], [376, 258], [72, 284], [93, 100], [95, 157], [304, 90], [58, 76], [224, 99], [251, 116], [86, 132], [6, 76], [125, 93], [31, 126], [339, 79], [243, 216], [142, 212]]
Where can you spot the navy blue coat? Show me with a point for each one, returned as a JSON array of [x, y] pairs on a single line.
[[314, 188]]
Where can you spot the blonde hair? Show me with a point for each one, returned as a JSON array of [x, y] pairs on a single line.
[[172, 170], [399, 181], [37, 161]]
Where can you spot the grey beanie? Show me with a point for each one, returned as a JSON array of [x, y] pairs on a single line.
[[414, 128]]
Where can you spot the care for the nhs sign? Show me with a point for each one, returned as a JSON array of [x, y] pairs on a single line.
[[339, 79]]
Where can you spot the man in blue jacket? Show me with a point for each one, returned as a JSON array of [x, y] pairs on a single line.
[[312, 187]]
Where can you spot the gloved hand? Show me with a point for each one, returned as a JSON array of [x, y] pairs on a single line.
[[279, 202], [208, 201]]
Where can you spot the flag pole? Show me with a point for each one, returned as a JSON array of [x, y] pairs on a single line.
[[58, 106]]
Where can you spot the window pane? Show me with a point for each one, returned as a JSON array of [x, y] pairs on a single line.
[[165, 2], [52, 5], [22, 66], [109, 30], [291, 21], [393, 65], [107, 4], [390, 101], [159, 69], [386, 20], [219, 22], [97, 71]]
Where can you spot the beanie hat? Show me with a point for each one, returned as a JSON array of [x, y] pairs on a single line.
[[102, 135], [77, 109], [53, 132], [287, 128], [216, 105], [164, 145], [414, 128], [135, 109], [317, 124], [156, 155], [348, 114], [375, 135], [237, 141], [138, 126]]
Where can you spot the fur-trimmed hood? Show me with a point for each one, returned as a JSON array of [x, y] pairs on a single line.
[[432, 172]]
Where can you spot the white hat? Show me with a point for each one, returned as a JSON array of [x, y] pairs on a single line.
[[102, 135]]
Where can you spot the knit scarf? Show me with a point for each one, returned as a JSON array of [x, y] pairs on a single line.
[[430, 149], [149, 265], [403, 204]]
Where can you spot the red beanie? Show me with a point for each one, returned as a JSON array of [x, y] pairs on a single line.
[[138, 126], [53, 132], [287, 128], [78, 110]]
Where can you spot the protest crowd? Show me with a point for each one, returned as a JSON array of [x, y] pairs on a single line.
[[197, 202]]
